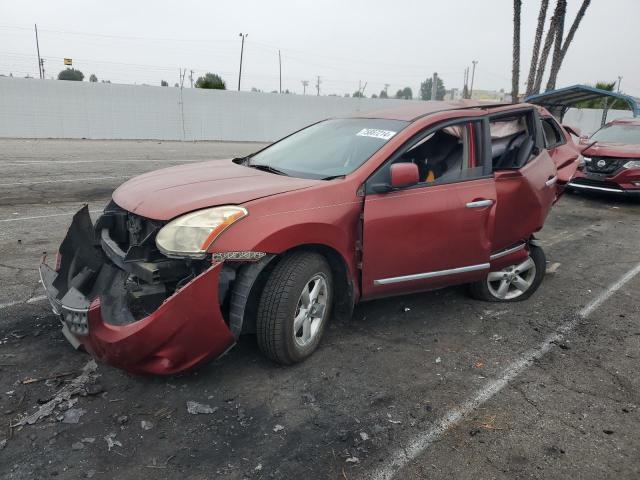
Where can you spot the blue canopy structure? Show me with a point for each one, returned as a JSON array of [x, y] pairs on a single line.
[[560, 100]]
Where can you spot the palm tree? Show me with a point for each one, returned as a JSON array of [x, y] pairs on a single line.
[[561, 11], [542, 17], [515, 70], [557, 62], [548, 42]]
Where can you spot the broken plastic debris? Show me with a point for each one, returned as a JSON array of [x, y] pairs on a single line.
[[73, 415], [74, 387], [3, 443], [278, 428], [438, 360], [195, 408], [352, 460], [364, 436], [258, 468], [146, 425], [111, 441]]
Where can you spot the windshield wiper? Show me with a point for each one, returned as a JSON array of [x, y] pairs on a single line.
[[266, 168], [332, 177]]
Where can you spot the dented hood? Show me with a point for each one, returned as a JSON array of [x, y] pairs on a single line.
[[167, 193]]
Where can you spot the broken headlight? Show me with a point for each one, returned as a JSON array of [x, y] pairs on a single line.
[[632, 164], [191, 235]]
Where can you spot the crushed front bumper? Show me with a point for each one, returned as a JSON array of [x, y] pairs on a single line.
[[623, 182], [185, 330]]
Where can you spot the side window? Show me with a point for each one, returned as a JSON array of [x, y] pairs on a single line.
[[513, 139], [446, 154], [552, 136]]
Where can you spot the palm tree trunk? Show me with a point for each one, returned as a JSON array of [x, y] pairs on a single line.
[[557, 48], [546, 49], [555, 68], [515, 70], [542, 17]]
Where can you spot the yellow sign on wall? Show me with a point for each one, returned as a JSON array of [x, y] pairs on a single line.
[[68, 61]]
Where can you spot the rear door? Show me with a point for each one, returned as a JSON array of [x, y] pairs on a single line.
[[562, 150], [525, 176], [435, 233]]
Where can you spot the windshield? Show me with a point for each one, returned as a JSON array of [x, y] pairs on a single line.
[[328, 149], [627, 134]]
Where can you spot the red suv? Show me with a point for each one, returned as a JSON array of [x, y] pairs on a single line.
[[186, 259], [611, 159]]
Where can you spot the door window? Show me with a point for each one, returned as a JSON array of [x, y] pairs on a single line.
[[514, 139], [552, 136], [448, 154]]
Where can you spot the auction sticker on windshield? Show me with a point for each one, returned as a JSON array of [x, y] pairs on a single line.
[[376, 133]]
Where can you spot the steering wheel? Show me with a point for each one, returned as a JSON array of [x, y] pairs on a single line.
[[508, 147]]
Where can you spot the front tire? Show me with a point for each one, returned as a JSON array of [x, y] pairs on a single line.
[[515, 282], [294, 307]]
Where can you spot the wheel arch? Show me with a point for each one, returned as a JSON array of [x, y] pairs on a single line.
[[251, 278]]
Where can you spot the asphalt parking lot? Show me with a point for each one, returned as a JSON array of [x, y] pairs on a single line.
[[432, 385]]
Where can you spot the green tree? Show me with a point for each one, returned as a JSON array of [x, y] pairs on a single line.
[[93, 78], [405, 93], [211, 81], [373, 95], [71, 74], [358, 94], [427, 85], [164, 83], [383, 94]]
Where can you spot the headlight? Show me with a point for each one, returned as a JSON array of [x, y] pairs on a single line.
[[632, 164], [582, 161], [192, 234]]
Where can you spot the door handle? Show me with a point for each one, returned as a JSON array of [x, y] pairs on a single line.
[[551, 181], [480, 203]]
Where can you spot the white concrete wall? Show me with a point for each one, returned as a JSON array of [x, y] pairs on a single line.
[[58, 109], [64, 109]]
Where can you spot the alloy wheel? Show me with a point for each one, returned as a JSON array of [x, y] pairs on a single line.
[[310, 311], [512, 281]]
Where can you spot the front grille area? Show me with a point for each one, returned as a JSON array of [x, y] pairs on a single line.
[[606, 165], [595, 183]]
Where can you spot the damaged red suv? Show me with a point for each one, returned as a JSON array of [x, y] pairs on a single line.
[[611, 159], [186, 259]]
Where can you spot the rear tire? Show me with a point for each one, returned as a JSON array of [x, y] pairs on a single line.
[[514, 283], [294, 307]]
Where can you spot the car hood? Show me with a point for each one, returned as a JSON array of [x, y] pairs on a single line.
[[167, 193], [619, 150]]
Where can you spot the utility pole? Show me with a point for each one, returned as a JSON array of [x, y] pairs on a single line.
[[619, 82], [318, 86], [434, 86], [305, 84], [42, 65], [243, 35], [473, 75], [38, 49], [191, 78], [280, 67]]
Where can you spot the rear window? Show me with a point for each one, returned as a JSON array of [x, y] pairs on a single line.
[[627, 134]]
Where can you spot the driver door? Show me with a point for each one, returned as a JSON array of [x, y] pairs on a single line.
[[435, 233]]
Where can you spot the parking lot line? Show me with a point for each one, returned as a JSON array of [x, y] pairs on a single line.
[[67, 180], [417, 445], [18, 219]]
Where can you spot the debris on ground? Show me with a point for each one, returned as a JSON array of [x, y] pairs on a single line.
[[438, 360], [553, 268], [478, 365], [258, 468], [364, 436], [352, 460], [195, 408], [3, 443], [73, 415], [75, 387], [278, 428], [111, 441], [77, 446], [146, 425]]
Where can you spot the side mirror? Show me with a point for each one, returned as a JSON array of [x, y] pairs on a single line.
[[404, 175], [572, 130]]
